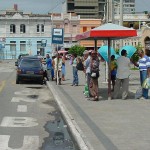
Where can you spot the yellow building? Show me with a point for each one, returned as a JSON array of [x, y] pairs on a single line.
[[86, 25]]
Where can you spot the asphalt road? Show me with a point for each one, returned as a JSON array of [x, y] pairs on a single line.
[[29, 117]]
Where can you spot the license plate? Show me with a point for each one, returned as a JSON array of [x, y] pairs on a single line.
[[30, 72]]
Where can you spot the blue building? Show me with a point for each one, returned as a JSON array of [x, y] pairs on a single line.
[[22, 33]]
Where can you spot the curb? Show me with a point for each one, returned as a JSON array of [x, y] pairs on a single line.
[[73, 127]]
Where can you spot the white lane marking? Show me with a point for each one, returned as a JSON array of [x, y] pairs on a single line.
[[29, 143], [25, 92], [22, 108], [19, 99], [18, 122]]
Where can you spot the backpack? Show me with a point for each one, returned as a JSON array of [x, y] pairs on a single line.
[[80, 66]]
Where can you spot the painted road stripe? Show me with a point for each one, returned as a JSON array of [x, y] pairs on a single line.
[[22, 108], [29, 143], [21, 99], [18, 122], [2, 84]]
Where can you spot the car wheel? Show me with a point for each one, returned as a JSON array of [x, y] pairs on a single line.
[[41, 82], [17, 81]]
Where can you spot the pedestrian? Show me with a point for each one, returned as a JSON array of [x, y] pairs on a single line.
[[144, 68], [63, 67], [122, 76], [94, 71], [58, 68], [53, 66], [113, 66], [87, 58], [49, 66], [43, 61], [75, 81]]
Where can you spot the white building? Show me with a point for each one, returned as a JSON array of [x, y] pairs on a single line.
[[22, 33]]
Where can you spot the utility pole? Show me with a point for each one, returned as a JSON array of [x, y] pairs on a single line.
[[110, 11], [121, 19]]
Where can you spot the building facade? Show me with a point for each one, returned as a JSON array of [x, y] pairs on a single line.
[[86, 25], [84, 8], [98, 9], [70, 22], [31, 33], [128, 6], [24, 33]]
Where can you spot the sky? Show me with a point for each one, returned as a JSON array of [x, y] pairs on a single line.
[[45, 6]]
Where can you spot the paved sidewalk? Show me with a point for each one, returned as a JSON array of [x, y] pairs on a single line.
[[105, 124]]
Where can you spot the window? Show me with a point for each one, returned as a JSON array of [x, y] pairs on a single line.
[[22, 45], [12, 28], [22, 28], [66, 28], [12, 45], [38, 28], [42, 28], [74, 28], [38, 45], [84, 29]]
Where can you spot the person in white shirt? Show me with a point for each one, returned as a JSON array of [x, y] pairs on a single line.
[[57, 69], [87, 59], [122, 76]]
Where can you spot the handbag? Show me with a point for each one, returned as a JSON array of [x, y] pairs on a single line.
[[146, 83], [93, 74], [80, 66]]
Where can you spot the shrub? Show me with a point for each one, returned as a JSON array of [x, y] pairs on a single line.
[[76, 49]]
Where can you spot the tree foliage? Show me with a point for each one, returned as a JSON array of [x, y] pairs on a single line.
[[76, 49], [135, 56]]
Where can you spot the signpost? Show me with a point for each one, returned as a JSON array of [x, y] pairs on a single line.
[[57, 38]]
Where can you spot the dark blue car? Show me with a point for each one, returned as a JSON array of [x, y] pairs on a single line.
[[29, 69]]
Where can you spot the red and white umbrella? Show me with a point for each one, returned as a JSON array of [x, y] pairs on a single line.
[[107, 32]]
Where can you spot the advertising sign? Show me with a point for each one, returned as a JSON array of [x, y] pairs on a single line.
[[57, 36]]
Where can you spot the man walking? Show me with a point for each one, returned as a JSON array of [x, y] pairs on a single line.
[[122, 76], [49, 66]]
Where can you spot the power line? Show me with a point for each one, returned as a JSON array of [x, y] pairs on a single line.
[[57, 4]]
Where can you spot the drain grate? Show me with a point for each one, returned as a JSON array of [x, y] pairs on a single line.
[[33, 96]]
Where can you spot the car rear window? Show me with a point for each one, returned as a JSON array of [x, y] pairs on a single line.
[[30, 63]]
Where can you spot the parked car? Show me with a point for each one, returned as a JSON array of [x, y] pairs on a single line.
[[29, 69]]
